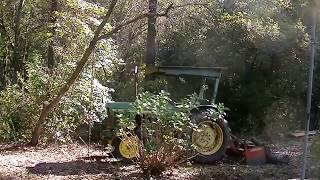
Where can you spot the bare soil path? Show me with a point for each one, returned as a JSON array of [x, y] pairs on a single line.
[[72, 162]]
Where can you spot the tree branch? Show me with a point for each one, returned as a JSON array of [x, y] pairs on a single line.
[[166, 12], [137, 18], [119, 27]]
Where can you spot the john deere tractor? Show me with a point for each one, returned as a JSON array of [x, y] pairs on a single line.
[[210, 141]]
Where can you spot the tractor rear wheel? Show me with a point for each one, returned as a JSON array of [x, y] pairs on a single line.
[[211, 139]]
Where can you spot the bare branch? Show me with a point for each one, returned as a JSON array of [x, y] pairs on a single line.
[[191, 4], [167, 10], [117, 28], [137, 18]]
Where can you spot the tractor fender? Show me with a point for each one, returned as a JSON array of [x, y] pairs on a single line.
[[202, 108]]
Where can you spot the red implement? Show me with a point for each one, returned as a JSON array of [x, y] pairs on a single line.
[[255, 155]]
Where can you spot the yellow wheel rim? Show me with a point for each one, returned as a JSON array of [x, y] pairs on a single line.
[[208, 138], [129, 147]]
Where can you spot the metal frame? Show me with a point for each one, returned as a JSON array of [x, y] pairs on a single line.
[[213, 73]]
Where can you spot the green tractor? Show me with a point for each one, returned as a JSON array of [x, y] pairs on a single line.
[[210, 142]]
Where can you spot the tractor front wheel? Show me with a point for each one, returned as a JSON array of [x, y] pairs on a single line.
[[125, 148]]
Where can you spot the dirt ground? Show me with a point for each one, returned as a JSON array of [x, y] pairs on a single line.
[[72, 162]]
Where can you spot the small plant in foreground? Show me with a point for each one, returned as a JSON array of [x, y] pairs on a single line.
[[165, 131]]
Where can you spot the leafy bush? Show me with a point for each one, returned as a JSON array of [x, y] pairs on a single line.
[[166, 128], [20, 107], [15, 114]]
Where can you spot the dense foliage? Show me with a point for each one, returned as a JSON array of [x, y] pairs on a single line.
[[263, 45], [20, 107], [38, 82]]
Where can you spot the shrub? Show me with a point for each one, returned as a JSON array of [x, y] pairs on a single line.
[[16, 114], [20, 107], [165, 130]]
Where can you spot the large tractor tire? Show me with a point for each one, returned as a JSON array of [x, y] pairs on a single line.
[[212, 138], [125, 148]]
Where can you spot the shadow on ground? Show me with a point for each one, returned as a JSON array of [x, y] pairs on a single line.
[[85, 167], [13, 147]]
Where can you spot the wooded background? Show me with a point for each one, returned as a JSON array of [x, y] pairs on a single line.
[[263, 44]]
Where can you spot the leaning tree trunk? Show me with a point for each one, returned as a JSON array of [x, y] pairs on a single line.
[[48, 106], [151, 35]]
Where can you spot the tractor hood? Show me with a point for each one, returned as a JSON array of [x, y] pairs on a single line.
[[119, 106]]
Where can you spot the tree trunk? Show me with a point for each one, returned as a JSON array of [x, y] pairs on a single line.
[[3, 63], [151, 36], [48, 106], [51, 61], [2, 69], [52, 21], [25, 56], [16, 58]]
